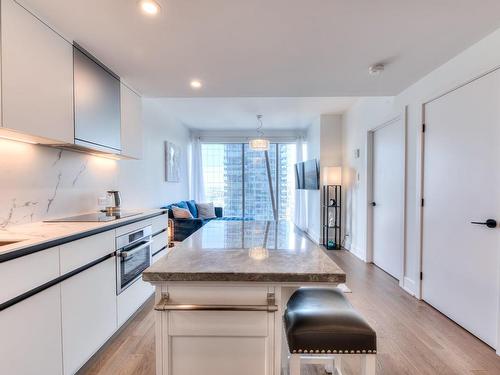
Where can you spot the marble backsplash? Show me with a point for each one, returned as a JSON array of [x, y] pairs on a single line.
[[38, 182]]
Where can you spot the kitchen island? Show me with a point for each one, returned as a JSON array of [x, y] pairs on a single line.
[[220, 297]]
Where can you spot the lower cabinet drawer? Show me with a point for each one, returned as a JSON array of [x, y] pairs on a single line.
[[160, 241], [81, 252], [219, 323], [218, 295], [22, 274], [132, 298], [159, 223]]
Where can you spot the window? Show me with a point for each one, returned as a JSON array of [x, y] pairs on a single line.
[[236, 179]]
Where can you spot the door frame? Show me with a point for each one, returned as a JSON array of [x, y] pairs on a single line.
[[401, 116], [420, 183]]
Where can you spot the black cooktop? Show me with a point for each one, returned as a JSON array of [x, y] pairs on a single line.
[[95, 217]]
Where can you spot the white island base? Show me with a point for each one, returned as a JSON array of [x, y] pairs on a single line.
[[221, 328]]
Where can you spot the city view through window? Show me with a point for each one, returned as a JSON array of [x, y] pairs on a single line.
[[236, 179]]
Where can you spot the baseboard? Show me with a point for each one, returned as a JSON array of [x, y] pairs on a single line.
[[312, 236], [408, 286], [309, 235], [358, 253]]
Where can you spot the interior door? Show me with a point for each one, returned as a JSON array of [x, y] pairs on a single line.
[[388, 197], [461, 175]]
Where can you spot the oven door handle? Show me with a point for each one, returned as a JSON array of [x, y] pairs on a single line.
[[127, 254]]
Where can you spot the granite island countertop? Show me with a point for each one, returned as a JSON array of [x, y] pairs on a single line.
[[33, 237], [256, 251]]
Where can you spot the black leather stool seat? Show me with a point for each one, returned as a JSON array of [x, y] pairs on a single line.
[[323, 321]]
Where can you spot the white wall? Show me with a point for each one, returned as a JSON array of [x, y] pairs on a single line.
[[39, 182], [324, 142], [473, 62], [365, 114], [312, 197]]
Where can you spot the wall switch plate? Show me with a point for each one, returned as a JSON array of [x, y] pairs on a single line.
[[356, 153]]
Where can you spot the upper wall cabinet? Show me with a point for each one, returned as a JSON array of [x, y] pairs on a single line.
[[37, 76], [131, 119], [97, 103]]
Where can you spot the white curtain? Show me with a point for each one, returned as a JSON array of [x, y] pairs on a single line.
[[300, 215], [197, 185]]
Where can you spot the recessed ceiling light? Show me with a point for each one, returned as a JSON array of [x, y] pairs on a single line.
[[376, 69], [149, 7], [196, 84]]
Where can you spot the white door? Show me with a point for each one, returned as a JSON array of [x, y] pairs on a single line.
[[461, 184], [388, 197]]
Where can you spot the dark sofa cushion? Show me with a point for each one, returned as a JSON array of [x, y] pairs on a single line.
[[218, 211]]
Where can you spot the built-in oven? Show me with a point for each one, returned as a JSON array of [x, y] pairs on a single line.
[[133, 256]]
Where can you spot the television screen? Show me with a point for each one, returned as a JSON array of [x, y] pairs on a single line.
[[299, 175], [311, 175]]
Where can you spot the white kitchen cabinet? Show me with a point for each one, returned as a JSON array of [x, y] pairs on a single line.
[[20, 275], [160, 241], [159, 223], [131, 123], [216, 342], [220, 342], [88, 313], [30, 339], [37, 77], [129, 300], [81, 252]]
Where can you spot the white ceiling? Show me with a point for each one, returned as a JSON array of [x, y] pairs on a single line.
[[240, 113], [272, 48]]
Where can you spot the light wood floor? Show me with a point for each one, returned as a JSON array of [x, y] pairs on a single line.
[[413, 338]]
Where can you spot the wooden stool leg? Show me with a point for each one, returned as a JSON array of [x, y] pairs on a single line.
[[369, 364], [295, 364]]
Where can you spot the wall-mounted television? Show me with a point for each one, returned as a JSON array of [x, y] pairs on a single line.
[[307, 175]]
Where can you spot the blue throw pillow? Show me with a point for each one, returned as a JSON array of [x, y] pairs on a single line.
[[192, 208], [181, 204]]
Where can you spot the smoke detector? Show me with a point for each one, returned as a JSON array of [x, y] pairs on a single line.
[[376, 69]]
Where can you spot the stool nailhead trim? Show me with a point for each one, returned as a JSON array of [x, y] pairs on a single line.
[[323, 351]]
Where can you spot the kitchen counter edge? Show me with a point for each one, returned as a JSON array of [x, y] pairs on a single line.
[[30, 249]]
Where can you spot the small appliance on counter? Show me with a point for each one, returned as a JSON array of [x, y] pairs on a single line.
[[114, 201], [110, 209], [95, 217]]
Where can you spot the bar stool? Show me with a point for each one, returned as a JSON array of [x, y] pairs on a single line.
[[322, 326]]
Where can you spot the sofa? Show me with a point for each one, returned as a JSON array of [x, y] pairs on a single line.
[[183, 228]]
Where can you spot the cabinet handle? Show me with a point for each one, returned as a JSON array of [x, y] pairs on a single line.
[[163, 305], [166, 307]]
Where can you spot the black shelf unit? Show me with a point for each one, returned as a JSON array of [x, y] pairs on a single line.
[[332, 216]]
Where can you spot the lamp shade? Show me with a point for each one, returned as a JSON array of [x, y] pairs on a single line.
[[259, 144], [332, 176]]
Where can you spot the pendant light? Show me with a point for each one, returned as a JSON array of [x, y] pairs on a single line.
[[259, 143]]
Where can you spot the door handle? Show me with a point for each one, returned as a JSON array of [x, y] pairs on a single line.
[[373, 204], [490, 223]]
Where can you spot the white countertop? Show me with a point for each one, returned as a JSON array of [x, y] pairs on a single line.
[[39, 233]]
